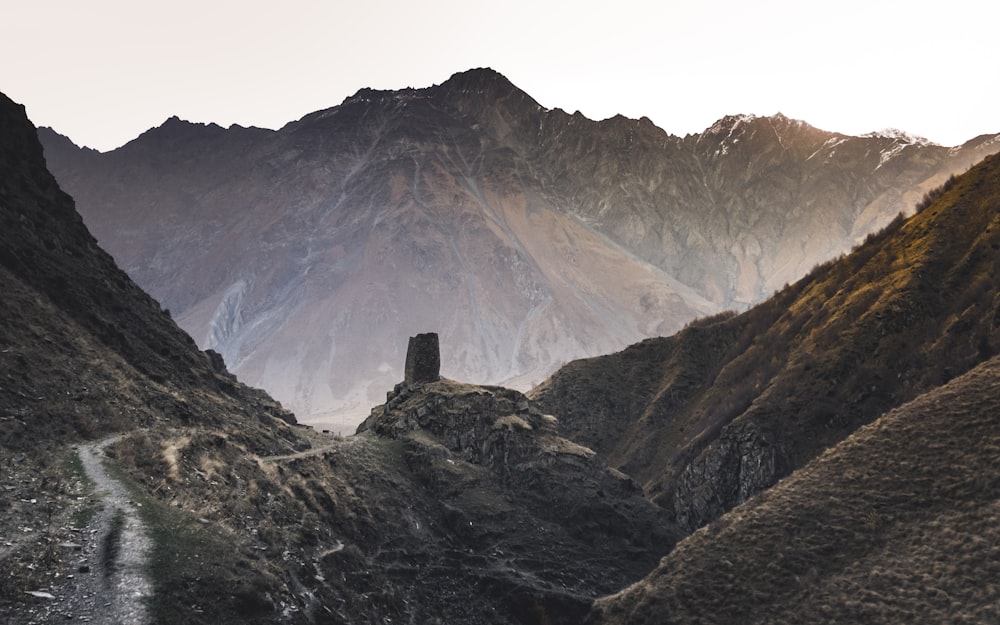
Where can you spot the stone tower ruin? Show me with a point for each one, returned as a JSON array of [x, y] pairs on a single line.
[[423, 359]]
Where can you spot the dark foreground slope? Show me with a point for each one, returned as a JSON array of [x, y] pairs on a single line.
[[84, 353], [78, 335], [900, 523], [458, 504], [723, 409]]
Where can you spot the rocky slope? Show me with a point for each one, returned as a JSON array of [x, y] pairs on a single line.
[[455, 503], [527, 237], [899, 523], [723, 409], [79, 337]]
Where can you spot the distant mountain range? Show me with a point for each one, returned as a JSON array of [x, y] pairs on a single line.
[[525, 237]]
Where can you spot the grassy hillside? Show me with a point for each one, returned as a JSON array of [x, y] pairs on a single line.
[[900, 523], [724, 408]]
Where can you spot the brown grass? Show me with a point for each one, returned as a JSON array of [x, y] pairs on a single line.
[[900, 523]]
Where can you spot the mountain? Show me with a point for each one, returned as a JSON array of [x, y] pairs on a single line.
[[725, 408], [84, 350], [897, 524], [526, 237], [456, 503]]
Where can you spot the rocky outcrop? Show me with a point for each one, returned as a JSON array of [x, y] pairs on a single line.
[[742, 462], [503, 479]]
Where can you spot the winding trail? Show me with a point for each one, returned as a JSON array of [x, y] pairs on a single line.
[[322, 443], [116, 589], [315, 451]]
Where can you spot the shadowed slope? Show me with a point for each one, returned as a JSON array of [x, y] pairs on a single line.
[[898, 523], [84, 352], [78, 335]]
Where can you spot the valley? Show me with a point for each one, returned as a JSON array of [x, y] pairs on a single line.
[[826, 454]]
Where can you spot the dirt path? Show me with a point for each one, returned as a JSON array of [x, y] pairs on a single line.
[[109, 583], [323, 444], [315, 451]]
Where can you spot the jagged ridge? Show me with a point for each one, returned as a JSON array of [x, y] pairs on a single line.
[[527, 237]]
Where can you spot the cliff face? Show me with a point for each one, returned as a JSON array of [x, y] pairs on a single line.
[[526, 237]]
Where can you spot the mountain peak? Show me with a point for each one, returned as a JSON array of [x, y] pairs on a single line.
[[54, 141], [729, 123], [900, 136], [178, 132], [478, 79], [483, 84]]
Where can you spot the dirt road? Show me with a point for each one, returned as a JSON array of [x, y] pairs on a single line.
[[108, 583]]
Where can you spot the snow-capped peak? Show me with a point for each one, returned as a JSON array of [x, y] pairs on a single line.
[[729, 123], [899, 135]]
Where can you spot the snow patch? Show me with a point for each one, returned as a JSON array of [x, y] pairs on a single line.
[[731, 122], [831, 145], [899, 135], [900, 141]]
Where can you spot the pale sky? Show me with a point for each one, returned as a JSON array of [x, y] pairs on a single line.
[[104, 71]]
